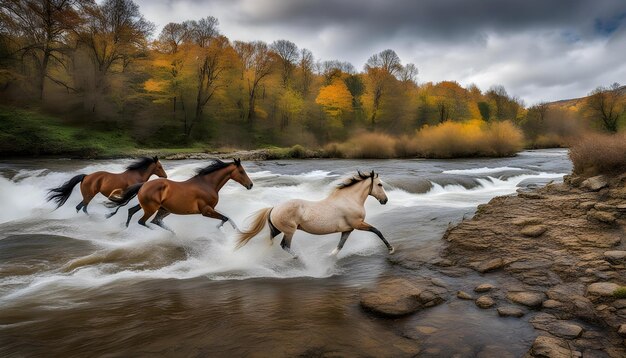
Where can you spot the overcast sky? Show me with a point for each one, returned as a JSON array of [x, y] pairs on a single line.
[[538, 49]]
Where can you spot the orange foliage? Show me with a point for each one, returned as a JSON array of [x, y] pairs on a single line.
[[335, 98]]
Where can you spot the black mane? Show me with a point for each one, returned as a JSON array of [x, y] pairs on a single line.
[[142, 163], [356, 179], [215, 165]]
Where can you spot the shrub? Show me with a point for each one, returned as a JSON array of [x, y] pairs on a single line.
[[596, 154], [364, 145]]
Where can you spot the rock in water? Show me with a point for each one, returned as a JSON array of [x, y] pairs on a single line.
[[510, 311], [485, 302], [464, 295], [545, 346], [485, 287], [527, 298], [397, 297]]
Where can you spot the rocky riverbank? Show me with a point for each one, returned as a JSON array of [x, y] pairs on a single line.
[[554, 256]]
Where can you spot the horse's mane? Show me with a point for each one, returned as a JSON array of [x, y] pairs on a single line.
[[215, 165], [142, 163], [359, 177]]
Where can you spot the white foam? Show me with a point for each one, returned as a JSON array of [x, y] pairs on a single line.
[[483, 170]]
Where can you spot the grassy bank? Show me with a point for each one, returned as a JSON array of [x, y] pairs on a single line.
[[28, 133]]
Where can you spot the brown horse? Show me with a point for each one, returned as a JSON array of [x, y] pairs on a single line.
[[107, 183], [197, 195]]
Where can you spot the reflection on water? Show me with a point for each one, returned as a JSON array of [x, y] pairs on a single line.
[[71, 284]]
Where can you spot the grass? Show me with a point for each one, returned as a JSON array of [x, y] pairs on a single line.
[[596, 154]]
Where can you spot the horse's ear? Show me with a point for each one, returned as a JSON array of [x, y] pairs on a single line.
[[372, 174], [155, 158], [359, 174], [238, 161]]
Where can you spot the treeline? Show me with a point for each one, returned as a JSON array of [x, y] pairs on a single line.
[[101, 65]]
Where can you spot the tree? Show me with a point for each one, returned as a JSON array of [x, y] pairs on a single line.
[[287, 53], [408, 73], [335, 98], [306, 68], [172, 35], [606, 104], [381, 69], [203, 30], [256, 62], [43, 26], [114, 33]]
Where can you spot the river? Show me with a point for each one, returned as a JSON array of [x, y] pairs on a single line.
[[78, 285]]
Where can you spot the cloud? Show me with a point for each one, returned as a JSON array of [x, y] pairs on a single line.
[[539, 50]]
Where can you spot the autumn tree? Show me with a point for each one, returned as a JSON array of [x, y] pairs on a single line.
[[42, 27], [335, 98], [113, 34], [287, 54], [307, 62], [505, 107], [381, 69], [202, 31], [607, 105], [256, 62]]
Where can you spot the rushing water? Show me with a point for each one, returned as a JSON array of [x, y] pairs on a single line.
[[72, 284]]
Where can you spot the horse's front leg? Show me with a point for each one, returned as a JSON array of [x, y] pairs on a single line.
[[367, 227], [286, 244], [342, 241]]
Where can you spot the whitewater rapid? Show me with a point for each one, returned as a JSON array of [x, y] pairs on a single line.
[[101, 251]]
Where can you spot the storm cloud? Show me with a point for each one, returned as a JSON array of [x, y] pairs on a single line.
[[539, 50]]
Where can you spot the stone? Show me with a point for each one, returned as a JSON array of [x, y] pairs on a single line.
[[489, 265], [602, 216], [621, 303], [534, 230], [510, 311], [550, 347], [397, 297], [622, 330], [438, 282], [595, 183], [604, 207], [485, 302], [565, 330], [603, 289], [464, 295], [586, 205], [527, 298], [551, 304], [615, 256], [426, 329], [484, 287]]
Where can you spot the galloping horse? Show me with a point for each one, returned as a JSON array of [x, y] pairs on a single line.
[[342, 211], [107, 183], [197, 195]]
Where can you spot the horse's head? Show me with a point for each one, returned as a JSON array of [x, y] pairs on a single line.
[[240, 176], [376, 188], [157, 168]]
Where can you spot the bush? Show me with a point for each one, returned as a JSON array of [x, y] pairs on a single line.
[[596, 154], [469, 139], [364, 145]]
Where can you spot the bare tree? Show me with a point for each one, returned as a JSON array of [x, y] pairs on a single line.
[[42, 26], [287, 53], [606, 104], [203, 30], [172, 35], [387, 60], [408, 73], [307, 61]]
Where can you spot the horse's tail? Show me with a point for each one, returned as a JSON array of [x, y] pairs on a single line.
[[120, 198], [62, 193], [260, 219]]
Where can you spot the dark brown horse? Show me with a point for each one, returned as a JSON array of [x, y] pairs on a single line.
[[197, 195], [107, 183]]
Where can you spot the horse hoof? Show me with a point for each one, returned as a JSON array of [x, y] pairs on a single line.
[[391, 251], [334, 252]]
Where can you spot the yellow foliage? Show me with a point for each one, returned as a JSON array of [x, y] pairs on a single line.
[[152, 85], [335, 98]]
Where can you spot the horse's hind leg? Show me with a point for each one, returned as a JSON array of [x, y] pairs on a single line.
[[286, 244], [79, 206], [158, 219], [132, 212], [148, 211], [342, 241]]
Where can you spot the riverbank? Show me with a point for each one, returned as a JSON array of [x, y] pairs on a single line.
[[554, 257]]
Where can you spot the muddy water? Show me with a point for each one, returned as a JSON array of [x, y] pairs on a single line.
[[75, 285]]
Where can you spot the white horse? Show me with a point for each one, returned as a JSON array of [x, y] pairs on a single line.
[[342, 211]]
